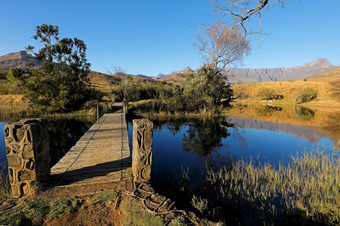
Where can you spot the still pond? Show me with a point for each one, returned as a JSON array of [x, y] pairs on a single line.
[[193, 146]]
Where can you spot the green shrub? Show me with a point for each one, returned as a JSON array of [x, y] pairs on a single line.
[[269, 94], [306, 95], [14, 74], [3, 74], [199, 203]]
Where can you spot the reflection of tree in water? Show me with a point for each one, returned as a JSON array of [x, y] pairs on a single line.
[[64, 133], [333, 126], [174, 126], [304, 113], [267, 110], [204, 136]]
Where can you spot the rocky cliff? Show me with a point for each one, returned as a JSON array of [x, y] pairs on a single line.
[[248, 75], [17, 59]]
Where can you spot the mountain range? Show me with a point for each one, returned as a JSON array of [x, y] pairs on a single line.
[[234, 75], [249, 75]]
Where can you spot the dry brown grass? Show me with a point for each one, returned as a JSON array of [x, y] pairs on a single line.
[[290, 90], [13, 103], [328, 75]]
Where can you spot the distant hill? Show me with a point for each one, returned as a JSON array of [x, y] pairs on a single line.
[[248, 75], [177, 78], [101, 81], [333, 73], [17, 59]]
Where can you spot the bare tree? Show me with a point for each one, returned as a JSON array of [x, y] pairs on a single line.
[[116, 69], [239, 12], [222, 46]]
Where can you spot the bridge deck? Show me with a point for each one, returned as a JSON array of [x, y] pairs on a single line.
[[101, 155]]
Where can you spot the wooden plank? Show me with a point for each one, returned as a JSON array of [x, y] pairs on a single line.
[[101, 155]]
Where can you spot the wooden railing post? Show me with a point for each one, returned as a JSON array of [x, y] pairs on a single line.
[[142, 150], [27, 150]]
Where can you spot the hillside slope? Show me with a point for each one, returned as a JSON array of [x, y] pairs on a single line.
[[328, 75], [17, 59], [177, 78], [323, 83]]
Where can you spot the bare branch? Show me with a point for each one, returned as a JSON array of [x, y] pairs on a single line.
[[238, 12], [222, 45]]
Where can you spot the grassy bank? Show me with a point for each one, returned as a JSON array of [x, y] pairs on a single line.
[[164, 110], [306, 191], [108, 208]]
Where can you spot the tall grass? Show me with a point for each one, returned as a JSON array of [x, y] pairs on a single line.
[[306, 190], [5, 187]]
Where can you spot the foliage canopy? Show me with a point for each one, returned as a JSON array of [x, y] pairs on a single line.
[[60, 84]]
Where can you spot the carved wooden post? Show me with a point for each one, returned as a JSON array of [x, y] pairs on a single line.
[[142, 150], [27, 150]]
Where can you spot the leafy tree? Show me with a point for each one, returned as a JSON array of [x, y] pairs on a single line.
[[126, 89], [60, 83], [220, 45], [207, 90], [14, 74]]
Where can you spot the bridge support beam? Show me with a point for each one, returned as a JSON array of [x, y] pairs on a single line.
[[142, 150], [27, 150]]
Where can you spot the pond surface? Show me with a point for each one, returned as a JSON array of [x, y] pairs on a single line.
[[63, 133], [193, 146], [190, 147]]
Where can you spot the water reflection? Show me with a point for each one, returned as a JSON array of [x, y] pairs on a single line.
[[63, 133], [267, 110], [205, 136], [333, 128], [304, 113], [183, 150]]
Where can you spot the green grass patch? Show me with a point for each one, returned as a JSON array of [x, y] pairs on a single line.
[[103, 198], [135, 215], [34, 212]]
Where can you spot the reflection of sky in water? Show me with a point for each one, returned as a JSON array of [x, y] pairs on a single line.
[[63, 133], [243, 143], [270, 146], [246, 143], [2, 143]]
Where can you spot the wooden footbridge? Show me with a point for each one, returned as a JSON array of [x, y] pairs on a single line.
[[101, 155]]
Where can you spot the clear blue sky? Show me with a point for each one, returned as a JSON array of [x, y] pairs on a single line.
[[155, 36]]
